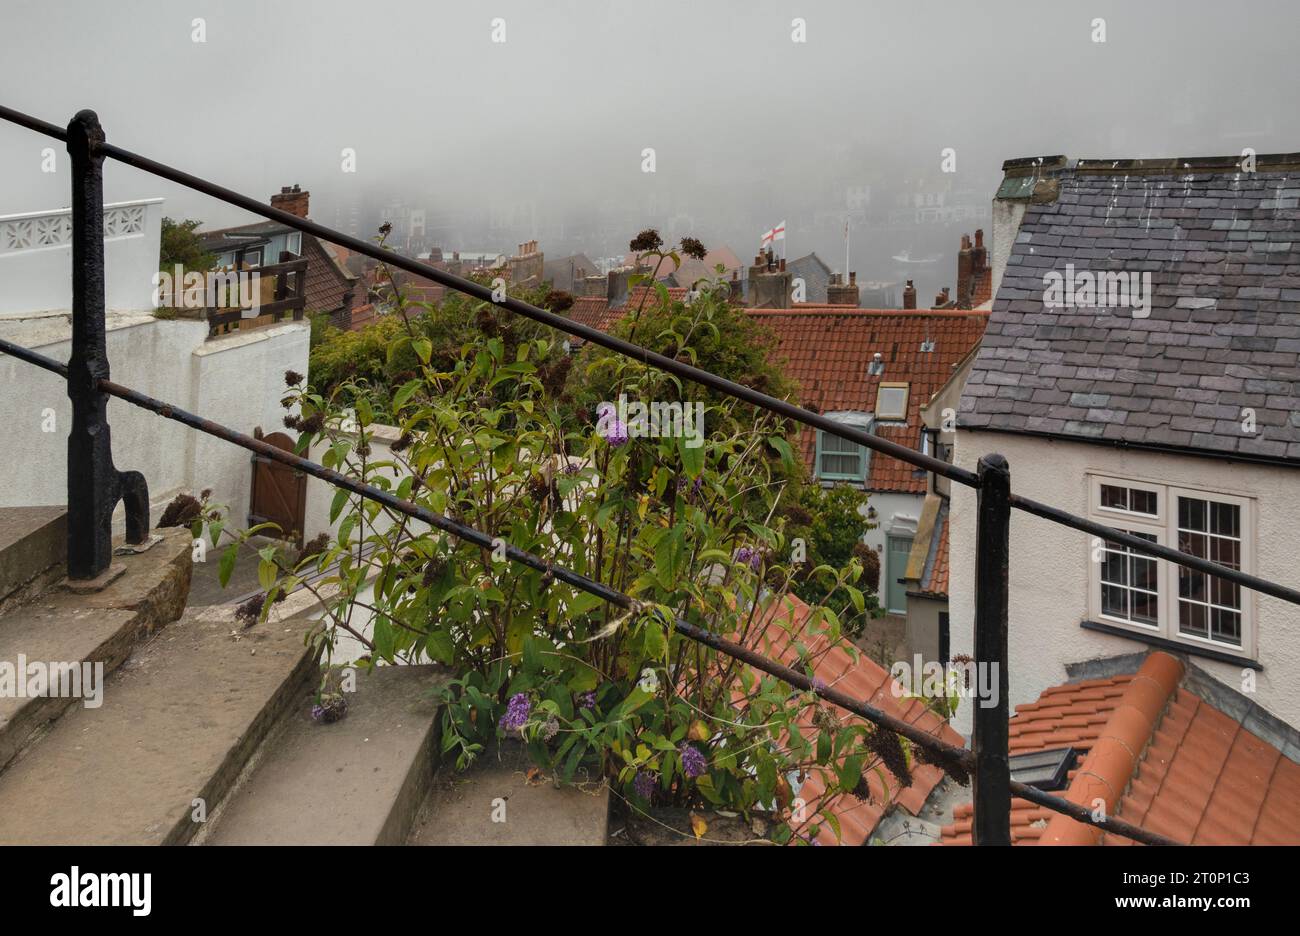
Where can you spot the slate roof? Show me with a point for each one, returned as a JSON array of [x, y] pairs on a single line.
[[1222, 248], [826, 350], [816, 276]]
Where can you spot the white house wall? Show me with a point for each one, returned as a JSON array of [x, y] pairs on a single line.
[[1049, 575], [36, 258]]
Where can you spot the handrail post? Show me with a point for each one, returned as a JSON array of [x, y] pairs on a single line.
[[992, 778], [94, 485]]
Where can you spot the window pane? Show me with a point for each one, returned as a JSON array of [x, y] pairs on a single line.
[[1226, 552], [891, 402], [1114, 497], [1225, 594], [1191, 619], [1191, 514], [1141, 501], [1145, 608], [840, 464], [1191, 584], [1225, 626], [1144, 573], [1225, 519], [1114, 601], [1114, 567], [1193, 543]]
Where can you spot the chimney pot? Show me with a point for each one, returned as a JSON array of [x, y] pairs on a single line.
[[909, 296]]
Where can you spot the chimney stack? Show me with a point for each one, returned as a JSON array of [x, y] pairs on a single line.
[[841, 293], [941, 300], [909, 296], [965, 268], [616, 286], [769, 283], [292, 200]]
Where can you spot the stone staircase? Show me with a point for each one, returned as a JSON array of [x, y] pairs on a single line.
[[203, 734]]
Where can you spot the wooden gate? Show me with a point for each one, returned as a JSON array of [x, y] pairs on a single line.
[[279, 492]]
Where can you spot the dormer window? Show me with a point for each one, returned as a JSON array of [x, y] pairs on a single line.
[[891, 401]]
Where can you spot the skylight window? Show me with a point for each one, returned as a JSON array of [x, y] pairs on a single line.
[[891, 401], [1046, 770]]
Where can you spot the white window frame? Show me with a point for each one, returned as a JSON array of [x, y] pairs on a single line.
[[1164, 525], [893, 385]]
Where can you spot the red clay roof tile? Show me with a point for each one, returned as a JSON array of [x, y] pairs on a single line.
[[1201, 778]]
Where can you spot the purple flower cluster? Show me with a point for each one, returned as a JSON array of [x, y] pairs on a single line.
[[643, 784], [587, 700], [516, 715], [750, 557], [612, 429], [689, 487], [572, 467], [331, 707], [693, 763]]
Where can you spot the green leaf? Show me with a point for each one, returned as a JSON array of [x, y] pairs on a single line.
[[783, 449], [227, 565], [336, 506], [692, 457], [656, 643], [424, 348], [404, 392], [440, 647]]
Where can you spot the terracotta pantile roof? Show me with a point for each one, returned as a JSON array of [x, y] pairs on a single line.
[[935, 581], [1198, 776], [675, 293], [826, 350], [786, 630], [592, 311]]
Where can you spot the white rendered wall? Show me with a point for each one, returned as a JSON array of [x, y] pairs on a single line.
[[1050, 563], [36, 258]]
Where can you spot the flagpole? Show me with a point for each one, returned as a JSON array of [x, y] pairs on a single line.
[[846, 248]]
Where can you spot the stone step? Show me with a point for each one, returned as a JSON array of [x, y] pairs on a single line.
[[179, 721], [69, 629], [357, 781], [497, 802], [33, 542]]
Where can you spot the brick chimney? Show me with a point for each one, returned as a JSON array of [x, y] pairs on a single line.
[[965, 268], [616, 287], [525, 268], [595, 285], [841, 293], [769, 283], [942, 300], [909, 296], [292, 200]]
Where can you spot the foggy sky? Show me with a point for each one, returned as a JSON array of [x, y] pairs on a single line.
[[746, 125]]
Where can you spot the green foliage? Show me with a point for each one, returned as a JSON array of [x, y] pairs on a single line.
[[179, 244], [831, 522], [691, 535], [498, 433], [383, 356]]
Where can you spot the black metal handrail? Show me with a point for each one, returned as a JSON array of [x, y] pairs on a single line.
[[94, 483]]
